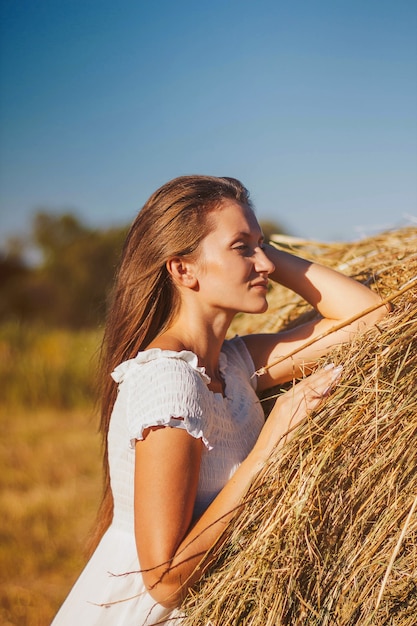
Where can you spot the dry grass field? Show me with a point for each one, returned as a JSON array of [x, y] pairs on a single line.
[[50, 485], [50, 480]]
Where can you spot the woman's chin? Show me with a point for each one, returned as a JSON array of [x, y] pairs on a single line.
[[261, 307], [264, 307]]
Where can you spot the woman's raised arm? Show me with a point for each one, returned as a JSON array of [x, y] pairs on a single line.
[[335, 296]]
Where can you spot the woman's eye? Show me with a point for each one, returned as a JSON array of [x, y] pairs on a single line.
[[241, 246]]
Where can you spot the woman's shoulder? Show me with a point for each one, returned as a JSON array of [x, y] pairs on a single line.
[[155, 362]]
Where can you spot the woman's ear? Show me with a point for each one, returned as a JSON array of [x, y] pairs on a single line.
[[182, 272]]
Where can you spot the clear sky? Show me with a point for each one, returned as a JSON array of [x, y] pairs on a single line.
[[312, 104]]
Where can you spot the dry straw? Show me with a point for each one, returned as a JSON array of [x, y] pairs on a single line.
[[327, 534]]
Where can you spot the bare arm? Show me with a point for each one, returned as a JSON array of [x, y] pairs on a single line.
[[171, 549], [335, 296]]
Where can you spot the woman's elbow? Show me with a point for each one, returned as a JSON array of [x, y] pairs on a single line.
[[165, 591], [379, 310]]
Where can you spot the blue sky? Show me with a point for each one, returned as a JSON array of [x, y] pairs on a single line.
[[312, 104]]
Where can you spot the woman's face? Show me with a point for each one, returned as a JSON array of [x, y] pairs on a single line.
[[232, 267]]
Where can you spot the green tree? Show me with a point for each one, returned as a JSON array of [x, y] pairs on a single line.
[[14, 275], [69, 283], [77, 268]]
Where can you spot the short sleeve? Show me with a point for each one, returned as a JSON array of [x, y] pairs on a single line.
[[168, 390]]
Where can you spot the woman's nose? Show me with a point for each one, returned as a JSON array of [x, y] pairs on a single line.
[[263, 263]]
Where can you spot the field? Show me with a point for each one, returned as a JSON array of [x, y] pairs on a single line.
[[51, 469]]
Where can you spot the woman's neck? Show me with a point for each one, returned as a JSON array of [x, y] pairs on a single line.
[[205, 339]]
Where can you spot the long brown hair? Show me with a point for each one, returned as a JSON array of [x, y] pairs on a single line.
[[173, 222]]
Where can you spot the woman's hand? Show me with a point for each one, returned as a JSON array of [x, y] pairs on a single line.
[[293, 406]]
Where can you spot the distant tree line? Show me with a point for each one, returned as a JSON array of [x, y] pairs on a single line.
[[67, 284], [68, 281]]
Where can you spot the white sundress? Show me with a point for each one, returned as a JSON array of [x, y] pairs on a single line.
[[155, 388]]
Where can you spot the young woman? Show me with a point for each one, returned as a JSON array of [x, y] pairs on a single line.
[[183, 428]]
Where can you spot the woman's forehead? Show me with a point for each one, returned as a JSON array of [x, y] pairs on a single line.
[[235, 216]]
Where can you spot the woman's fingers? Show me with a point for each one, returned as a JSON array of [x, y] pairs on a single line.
[[336, 373], [307, 394], [321, 383], [296, 403], [293, 406]]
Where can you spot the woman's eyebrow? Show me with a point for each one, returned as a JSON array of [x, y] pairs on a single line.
[[248, 235]]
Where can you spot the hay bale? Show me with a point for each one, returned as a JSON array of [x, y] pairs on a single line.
[[327, 534]]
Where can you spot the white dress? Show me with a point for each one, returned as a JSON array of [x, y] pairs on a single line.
[[155, 388]]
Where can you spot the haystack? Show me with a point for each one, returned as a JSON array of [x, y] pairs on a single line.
[[327, 534]]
